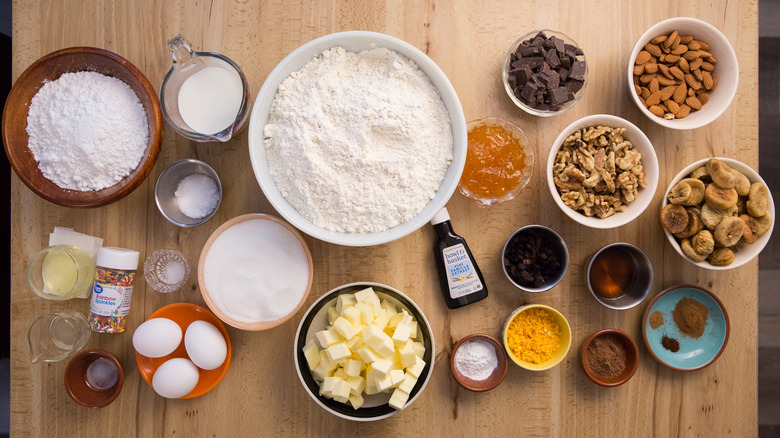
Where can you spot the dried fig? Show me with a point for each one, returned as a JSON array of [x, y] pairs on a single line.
[[750, 233], [729, 231], [711, 216], [742, 205], [742, 184], [674, 218], [689, 192], [757, 200], [764, 223], [720, 198], [721, 174], [721, 257], [687, 249], [703, 242], [693, 227], [702, 174]]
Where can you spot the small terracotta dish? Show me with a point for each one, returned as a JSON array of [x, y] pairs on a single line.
[[498, 373], [632, 358], [50, 68], [76, 380]]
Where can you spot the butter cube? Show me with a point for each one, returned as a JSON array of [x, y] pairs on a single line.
[[366, 313], [325, 361], [397, 377], [368, 354], [366, 295], [341, 389], [332, 314], [340, 373], [408, 384], [408, 355], [389, 307], [381, 320], [397, 362], [396, 319], [378, 340], [343, 301], [353, 368], [312, 354], [320, 373], [338, 351], [384, 383], [356, 385], [375, 305], [398, 399], [419, 349], [416, 369], [352, 314], [415, 330], [382, 366], [356, 401], [328, 337], [371, 387], [344, 328], [401, 333], [356, 343], [326, 388]]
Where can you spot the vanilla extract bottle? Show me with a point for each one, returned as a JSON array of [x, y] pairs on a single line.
[[459, 276]]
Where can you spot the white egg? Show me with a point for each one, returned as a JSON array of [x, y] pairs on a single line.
[[205, 345], [157, 337], [175, 378]]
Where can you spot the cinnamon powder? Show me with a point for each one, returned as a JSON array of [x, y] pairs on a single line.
[[690, 317], [656, 319], [606, 356]]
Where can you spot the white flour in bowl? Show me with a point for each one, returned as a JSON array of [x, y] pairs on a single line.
[[86, 130], [358, 142]]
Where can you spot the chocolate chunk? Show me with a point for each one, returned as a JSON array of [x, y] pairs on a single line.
[[529, 90], [540, 79], [553, 81], [546, 70], [551, 59], [558, 96], [564, 74], [574, 86], [548, 44], [575, 51], [566, 62], [524, 51], [559, 45], [578, 71], [524, 75]]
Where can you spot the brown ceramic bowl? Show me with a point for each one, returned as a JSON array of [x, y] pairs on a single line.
[[632, 358], [76, 380], [49, 68], [498, 374]]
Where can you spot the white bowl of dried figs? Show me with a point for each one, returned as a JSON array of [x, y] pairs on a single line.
[[602, 171], [718, 213]]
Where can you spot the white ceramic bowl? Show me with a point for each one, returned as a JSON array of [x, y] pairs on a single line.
[[355, 41], [726, 68], [376, 406], [746, 253], [649, 162]]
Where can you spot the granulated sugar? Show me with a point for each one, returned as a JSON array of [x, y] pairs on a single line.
[[86, 130], [358, 142], [197, 195]]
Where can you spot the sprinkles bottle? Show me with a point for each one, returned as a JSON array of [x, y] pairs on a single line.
[[113, 289]]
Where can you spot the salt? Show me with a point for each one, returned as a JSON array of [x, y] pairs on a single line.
[[476, 359], [102, 374], [174, 273], [197, 195]]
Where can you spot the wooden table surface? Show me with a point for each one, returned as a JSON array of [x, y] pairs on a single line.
[[261, 394]]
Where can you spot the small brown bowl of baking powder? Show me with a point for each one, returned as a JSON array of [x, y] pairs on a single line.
[[479, 362], [610, 357]]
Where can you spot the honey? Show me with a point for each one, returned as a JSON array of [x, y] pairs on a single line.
[[612, 272], [495, 161]]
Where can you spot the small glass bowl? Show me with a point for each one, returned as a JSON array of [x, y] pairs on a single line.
[[528, 170], [155, 270], [505, 74]]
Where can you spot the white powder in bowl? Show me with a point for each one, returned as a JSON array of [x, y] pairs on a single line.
[[256, 270], [476, 359], [197, 195], [358, 142]]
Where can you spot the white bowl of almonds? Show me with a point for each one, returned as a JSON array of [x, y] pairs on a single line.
[[715, 221], [683, 73]]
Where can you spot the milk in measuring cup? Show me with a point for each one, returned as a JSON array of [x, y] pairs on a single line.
[[210, 99]]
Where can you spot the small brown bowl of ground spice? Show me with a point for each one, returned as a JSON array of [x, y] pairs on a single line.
[[610, 357], [535, 258]]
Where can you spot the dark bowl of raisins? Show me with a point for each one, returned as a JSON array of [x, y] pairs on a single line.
[[535, 258]]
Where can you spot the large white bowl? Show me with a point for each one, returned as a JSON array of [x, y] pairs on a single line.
[[746, 253], [649, 162], [355, 41], [726, 68]]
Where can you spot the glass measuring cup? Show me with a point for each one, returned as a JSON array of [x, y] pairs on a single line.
[[56, 336], [217, 101]]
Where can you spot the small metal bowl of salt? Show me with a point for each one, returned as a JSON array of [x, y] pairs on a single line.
[[188, 192]]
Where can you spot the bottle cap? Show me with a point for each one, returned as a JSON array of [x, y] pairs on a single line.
[[441, 216], [118, 258]]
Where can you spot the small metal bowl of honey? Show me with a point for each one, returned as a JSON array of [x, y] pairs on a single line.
[[619, 276]]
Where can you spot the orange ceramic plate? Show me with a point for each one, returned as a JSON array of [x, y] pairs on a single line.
[[185, 314]]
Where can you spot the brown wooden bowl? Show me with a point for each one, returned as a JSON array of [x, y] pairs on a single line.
[[76, 380], [49, 68], [495, 378], [632, 358]]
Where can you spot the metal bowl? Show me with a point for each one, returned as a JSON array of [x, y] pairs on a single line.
[[640, 285], [560, 248], [168, 181]]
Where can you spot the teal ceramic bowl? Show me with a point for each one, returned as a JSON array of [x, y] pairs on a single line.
[[693, 353]]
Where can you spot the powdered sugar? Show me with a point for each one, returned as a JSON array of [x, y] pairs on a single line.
[[476, 359], [358, 142], [86, 130]]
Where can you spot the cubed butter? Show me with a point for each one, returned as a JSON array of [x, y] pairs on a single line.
[[328, 337], [326, 388], [352, 314], [366, 295], [368, 354], [356, 401], [378, 340], [339, 372], [401, 333], [366, 313], [419, 349], [312, 354], [416, 369], [344, 328], [343, 301], [384, 383], [381, 320], [353, 368], [408, 384], [408, 355], [397, 377], [341, 389], [356, 385], [382, 366], [320, 373], [326, 363], [332, 314], [398, 399], [396, 319], [389, 307], [356, 343], [338, 351]]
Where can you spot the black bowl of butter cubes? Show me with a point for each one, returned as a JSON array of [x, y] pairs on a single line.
[[545, 73], [364, 351]]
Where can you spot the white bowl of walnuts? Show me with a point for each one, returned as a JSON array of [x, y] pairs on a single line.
[[718, 213]]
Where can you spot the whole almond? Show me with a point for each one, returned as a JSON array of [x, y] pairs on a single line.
[[684, 66], [677, 73], [646, 78], [675, 43], [671, 39], [714, 82], [654, 99], [639, 69], [691, 92], [664, 81], [662, 58], [692, 81], [653, 49], [693, 102], [644, 92], [703, 97], [685, 39], [651, 67], [659, 39], [664, 69], [696, 63], [663, 107], [671, 59], [696, 74], [680, 93], [643, 57], [707, 66], [667, 92], [643, 101], [656, 110], [680, 49], [637, 89], [704, 46], [673, 106], [691, 55], [706, 80], [684, 111], [694, 45], [711, 59], [653, 85]]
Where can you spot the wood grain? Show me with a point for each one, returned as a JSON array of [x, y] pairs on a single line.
[[261, 394]]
